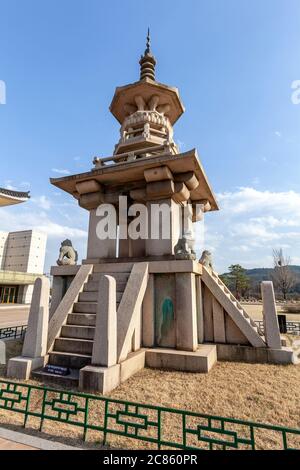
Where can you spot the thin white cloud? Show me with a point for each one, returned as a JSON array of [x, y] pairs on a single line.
[[39, 220], [8, 185], [29, 216], [25, 184], [249, 200], [43, 202], [250, 224], [61, 171]]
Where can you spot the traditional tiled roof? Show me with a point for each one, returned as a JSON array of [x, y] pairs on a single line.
[[9, 197]]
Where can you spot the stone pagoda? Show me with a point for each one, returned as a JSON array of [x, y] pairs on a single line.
[[146, 301]]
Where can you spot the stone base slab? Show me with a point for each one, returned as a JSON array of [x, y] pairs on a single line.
[[99, 379], [67, 270], [156, 265], [201, 360], [135, 361], [237, 353], [21, 367], [105, 379]]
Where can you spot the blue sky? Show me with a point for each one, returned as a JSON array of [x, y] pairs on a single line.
[[233, 61]]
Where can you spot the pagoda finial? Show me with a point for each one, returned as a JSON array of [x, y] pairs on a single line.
[[148, 43], [148, 61]]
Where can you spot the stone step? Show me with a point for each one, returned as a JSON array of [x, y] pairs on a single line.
[[80, 312], [69, 381], [85, 307], [84, 319], [73, 345], [93, 286], [113, 268], [77, 331], [93, 296], [118, 277], [201, 360], [64, 359]]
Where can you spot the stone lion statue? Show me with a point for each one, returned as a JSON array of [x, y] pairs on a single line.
[[184, 249], [67, 254], [206, 259]]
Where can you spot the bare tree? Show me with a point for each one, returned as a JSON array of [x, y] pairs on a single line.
[[284, 279]]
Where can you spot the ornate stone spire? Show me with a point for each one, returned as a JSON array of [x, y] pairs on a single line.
[[148, 62]]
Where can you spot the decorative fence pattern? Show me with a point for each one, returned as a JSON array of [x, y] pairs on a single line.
[[13, 332], [292, 327], [162, 427]]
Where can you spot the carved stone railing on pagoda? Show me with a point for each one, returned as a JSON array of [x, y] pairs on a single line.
[[146, 126], [165, 149]]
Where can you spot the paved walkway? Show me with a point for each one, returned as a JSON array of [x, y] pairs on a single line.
[[11, 445], [12, 440], [13, 315]]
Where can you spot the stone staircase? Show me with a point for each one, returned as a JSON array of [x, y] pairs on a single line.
[[233, 308], [73, 348]]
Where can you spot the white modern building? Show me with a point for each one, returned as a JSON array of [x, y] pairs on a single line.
[[22, 257]]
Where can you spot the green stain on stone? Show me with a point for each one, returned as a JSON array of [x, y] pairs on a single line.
[[167, 315]]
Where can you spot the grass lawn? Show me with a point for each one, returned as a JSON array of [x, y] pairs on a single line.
[[255, 392]]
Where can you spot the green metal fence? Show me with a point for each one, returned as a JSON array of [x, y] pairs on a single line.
[[160, 426]]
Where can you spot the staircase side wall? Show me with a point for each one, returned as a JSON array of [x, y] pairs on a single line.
[[66, 305], [224, 322], [129, 311], [218, 326]]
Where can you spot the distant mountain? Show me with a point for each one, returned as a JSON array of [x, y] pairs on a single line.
[[264, 274], [257, 275]]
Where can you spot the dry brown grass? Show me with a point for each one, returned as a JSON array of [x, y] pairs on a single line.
[[255, 311], [255, 392], [291, 308]]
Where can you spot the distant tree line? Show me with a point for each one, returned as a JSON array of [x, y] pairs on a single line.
[[285, 280]]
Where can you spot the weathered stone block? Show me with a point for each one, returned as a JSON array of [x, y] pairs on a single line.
[[160, 189], [148, 314], [21, 367], [99, 379], [2, 352], [158, 174], [201, 360], [105, 338], [35, 342], [89, 186], [134, 362], [271, 327], [186, 312]]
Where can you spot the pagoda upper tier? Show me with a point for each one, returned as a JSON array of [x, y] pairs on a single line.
[[146, 110]]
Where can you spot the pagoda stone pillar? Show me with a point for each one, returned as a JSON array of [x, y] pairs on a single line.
[[129, 247], [163, 227], [99, 248]]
